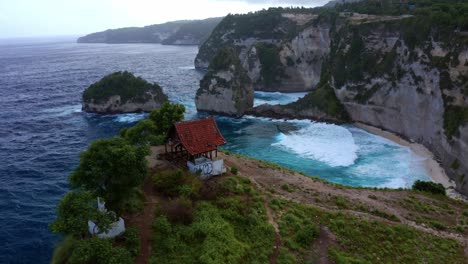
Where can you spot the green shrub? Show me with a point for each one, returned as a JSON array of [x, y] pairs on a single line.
[[99, 251], [288, 188], [286, 257], [430, 187], [234, 170], [307, 235], [135, 202], [63, 251], [437, 225], [177, 183], [178, 211], [132, 241], [341, 201], [455, 165]]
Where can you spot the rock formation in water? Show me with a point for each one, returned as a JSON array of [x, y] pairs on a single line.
[[407, 73], [184, 32], [226, 88], [122, 92]]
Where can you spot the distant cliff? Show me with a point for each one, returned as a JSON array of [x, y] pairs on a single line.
[[184, 32], [281, 49], [122, 92], [226, 89], [401, 67]]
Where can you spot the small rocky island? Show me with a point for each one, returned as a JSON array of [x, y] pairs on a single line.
[[226, 89], [122, 92]]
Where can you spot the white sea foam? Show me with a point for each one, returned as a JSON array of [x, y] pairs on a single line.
[[64, 110], [187, 68], [276, 98], [331, 144], [129, 118]]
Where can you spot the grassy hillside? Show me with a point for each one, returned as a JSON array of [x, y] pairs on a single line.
[[267, 214]]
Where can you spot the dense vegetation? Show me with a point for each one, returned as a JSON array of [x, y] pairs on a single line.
[[127, 86], [227, 224], [430, 187], [113, 170], [168, 33], [271, 67]]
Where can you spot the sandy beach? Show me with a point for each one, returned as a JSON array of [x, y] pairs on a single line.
[[433, 168]]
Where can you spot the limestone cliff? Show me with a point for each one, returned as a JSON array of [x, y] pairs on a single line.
[[122, 92], [401, 67], [389, 75], [282, 50], [226, 89]]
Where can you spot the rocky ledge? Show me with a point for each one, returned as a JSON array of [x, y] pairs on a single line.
[[122, 92]]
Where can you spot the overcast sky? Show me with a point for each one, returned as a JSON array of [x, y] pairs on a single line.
[[31, 18]]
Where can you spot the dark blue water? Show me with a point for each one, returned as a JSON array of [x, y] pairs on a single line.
[[43, 130]]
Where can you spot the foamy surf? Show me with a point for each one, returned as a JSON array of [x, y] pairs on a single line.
[[129, 118], [276, 98], [331, 144]]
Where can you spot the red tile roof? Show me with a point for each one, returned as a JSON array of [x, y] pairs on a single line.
[[199, 136]]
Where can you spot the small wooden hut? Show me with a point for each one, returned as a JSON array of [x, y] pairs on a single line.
[[197, 142]]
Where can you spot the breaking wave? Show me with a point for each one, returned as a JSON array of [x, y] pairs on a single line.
[[327, 143]]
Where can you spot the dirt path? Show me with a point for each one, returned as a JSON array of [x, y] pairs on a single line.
[[143, 221]]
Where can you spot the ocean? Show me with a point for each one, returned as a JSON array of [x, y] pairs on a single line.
[[43, 131]]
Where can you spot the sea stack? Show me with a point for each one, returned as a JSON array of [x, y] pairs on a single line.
[[226, 89], [122, 92]]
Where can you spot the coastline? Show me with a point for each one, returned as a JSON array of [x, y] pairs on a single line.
[[433, 168]]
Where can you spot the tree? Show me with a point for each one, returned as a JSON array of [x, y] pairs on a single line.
[[144, 133], [167, 115], [111, 168], [74, 211]]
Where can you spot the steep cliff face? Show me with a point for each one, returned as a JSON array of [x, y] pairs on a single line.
[[282, 53], [417, 88], [226, 89]]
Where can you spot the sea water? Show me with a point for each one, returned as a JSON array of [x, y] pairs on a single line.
[[43, 130]]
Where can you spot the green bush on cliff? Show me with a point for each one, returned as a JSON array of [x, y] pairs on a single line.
[[430, 187], [454, 117], [125, 84], [224, 59], [111, 168], [324, 99], [153, 130], [271, 66]]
